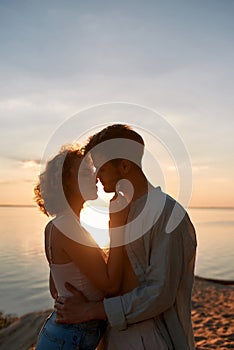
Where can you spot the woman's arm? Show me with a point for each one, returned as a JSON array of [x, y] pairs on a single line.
[[107, 277], [53, 290]]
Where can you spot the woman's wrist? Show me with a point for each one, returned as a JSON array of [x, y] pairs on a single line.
[[117, 236]]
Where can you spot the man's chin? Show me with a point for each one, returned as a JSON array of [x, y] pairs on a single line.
[[108, 190]]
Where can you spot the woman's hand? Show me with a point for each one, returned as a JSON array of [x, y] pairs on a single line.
[[119, 210]]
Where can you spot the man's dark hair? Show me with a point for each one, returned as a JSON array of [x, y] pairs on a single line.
[[116, 131]]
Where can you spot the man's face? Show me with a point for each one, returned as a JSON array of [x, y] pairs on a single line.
[[107, 173]]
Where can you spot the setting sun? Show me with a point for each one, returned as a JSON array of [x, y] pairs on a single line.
[[95, 220]]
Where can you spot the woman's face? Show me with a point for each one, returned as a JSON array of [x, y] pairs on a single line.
[[81, 182], [87, 180]]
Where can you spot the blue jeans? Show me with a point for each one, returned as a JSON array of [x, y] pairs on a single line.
[[61, 336]]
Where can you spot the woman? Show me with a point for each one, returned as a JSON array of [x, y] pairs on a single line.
[[72, 254]]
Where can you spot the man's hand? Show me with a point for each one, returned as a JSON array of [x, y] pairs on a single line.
[[77, 308], [71, 309]]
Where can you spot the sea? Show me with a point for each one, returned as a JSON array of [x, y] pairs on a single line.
[[24, 270]]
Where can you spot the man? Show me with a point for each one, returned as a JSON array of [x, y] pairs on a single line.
[[154, 308]]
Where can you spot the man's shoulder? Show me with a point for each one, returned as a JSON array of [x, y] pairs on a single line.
[[172, 213], [165, 201]]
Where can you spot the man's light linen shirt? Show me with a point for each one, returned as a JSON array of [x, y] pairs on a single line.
[[161, 246]]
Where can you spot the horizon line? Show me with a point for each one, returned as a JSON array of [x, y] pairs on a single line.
[[190, 207]]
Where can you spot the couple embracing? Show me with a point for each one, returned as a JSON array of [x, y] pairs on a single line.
[[139, 296]]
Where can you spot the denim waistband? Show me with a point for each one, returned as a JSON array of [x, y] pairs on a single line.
[[82, 325]]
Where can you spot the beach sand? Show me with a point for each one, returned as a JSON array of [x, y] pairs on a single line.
[[212, 315]]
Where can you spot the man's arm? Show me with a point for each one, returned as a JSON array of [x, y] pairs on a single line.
[[77, 308], [168, 265], [153, 296]]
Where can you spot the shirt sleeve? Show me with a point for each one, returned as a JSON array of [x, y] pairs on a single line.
[[158, 291]]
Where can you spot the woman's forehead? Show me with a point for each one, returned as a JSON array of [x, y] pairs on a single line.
[[99, 159], [87, 162]]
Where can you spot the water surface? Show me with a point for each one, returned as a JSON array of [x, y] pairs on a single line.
[[24, 269]]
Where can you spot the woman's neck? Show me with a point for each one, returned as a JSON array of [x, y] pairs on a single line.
[[76, 206]]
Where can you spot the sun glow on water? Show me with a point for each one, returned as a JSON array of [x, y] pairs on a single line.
[[95, 219]]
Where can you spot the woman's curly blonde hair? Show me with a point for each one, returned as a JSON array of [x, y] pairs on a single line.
[[51, 191]]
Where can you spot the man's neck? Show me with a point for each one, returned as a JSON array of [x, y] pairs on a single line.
[[141, 187]]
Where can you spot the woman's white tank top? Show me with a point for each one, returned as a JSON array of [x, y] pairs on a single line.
[[70, 272]]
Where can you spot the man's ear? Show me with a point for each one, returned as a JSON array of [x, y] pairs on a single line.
[[125, 166]]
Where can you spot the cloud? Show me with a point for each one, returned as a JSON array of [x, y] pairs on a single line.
[[26, 164], [7, 182], [200, 168], [56, 60]]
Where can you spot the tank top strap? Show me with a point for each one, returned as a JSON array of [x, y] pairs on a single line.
[[50, 244]]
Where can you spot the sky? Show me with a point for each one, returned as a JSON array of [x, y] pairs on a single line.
[[174, 57]]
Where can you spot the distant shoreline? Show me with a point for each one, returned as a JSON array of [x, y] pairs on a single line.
[[211, 207], [34, 206], [17, 206], [214, 280]]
